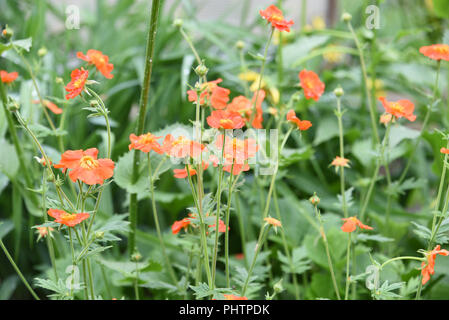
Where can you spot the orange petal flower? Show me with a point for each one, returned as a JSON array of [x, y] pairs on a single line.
[[8, 77], [301, 124], [219, 97], [428, 267], [311, 84], [181, 224], [223, 119], [181, 147], [182, 173], [240, 104], [233, 297], [274, 222], [86, 167], [351, 223], [221, 226], [385, 118], [402, 108], [145, 143], [257, 122], [274, 15], [237, 150], [69, 219], [436, 51], [76, 85], [444, 150], [50, 105], [43, 231], [100, 60], [340, 162]]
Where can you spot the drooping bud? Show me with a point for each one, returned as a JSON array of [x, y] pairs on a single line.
[[201, 70], [346, 17], [42, 52], [339, 91], [314, 200], [240, 44], [7, 33], [177, 23]]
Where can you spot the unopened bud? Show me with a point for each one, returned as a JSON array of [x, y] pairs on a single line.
[[346, 17], [7, 33], [240, 44], [201, 70], [314, 199], [94, 103], [99, 235], [136, 256], [13, 106], [177, 23], [278, 287], [339, 91], [42, 52], [59, 80]]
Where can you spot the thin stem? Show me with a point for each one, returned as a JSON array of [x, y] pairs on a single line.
[[326, 246], [11, 260], [158, 228], [348, 254], [48, 238], [136, 282], [400, 258], [228, 208], [339, 115], [372, 111], [259, 244], [151, 39]]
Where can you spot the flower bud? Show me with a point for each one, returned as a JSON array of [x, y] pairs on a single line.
[[42, 52], [240, 44], [177, 23], [339, 91], [346, 17], [201, 70], [59, 80], [94, 103], [13, 106], [136, 256], [99, 235], [278, 287], [7, 33], [314, 199]]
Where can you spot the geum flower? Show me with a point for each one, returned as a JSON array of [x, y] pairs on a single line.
[[211, 93], [340, 162], [50, 105], [274, 15], [181, 224], [274, 222], [428, 267], [100, 60], [85, 166], [68, 219], [436, 51], [221, 226], [301, 124], [8, 77], [244, 107], [145, 143], [233, 297], [181, 147], [183, 173], [401, 108], [352, 223], [444, 150], [76, 85], [224, 119], [311, 84]]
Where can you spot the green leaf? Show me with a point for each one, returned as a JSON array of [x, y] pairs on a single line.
[[372, 237], [399, 133], [23, 43], [9, 162], [327, 129], [440, 7], [363, 151]]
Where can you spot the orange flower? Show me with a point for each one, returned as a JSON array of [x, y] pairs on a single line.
[[385, 118], [340, 162], [86, 167], [233, 297], [43, 231], [436, 51], [237, 150], [8, 77], [257, 122], [100, 60], [221, 226], [181, 224], [402, 108], [182, 173], [274, 15], [244, 107], [181, 147], [223, 119], [444, 150], [50, 105], [69, 219], [428, 268], [145, 143], [76, 85], [240, 104], [274, 222], [301, 124], [351, 223], [210, 91], [311, 84]]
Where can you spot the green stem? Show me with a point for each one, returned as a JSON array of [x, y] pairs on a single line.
[[151, 39], [228, 208], [18, 270], [326, 246], [259, 244], [48, 238], [372, 111], [158, 228], [339, 115], [348, 254]]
